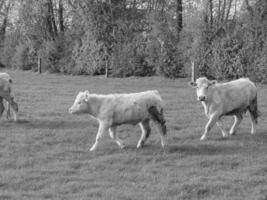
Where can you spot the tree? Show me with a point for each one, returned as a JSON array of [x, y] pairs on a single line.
[[5, 7]]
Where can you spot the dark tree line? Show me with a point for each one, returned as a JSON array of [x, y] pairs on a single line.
[[224, 38]]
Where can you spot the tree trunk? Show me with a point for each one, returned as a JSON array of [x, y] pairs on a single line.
[[60, 16], [39, 64], [219, 14], [228, 10], [179, 15], [52, 15], [50, 19], [211, 12], [223, 11]]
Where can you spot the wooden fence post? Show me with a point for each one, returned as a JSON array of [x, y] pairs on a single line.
[[39, 64], [107, 68]]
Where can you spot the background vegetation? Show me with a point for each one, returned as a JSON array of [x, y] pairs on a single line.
[[225, 38]]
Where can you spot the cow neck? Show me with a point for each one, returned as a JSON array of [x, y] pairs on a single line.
[[94, 104]]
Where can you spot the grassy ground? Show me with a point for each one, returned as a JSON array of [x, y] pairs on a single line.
[[46, 154]]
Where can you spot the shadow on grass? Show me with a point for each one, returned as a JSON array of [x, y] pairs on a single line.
[[203, 149], [260, 136], [51, 124]]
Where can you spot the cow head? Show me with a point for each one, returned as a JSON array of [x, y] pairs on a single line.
[[80, 104], [203, 86]]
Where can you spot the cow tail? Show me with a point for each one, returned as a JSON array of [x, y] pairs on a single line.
[[253, 109], [157, 115]]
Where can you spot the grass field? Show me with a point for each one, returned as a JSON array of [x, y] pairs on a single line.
[[46, 154]]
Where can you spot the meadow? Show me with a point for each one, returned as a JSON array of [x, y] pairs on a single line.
[[45, 155]]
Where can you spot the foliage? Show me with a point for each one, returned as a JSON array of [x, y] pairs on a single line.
[[225, 39], [236, 48]]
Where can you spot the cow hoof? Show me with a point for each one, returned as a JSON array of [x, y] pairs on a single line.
[[203, 138], [232, 133], [122, 146], [140, 145], [92, 148]]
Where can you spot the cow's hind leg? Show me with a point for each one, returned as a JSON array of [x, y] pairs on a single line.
[[145, 133], [238, 118], [8, 113], [103, 127], [113, 135], [158, 118], [254, 114], [219, 124], [2, 107]]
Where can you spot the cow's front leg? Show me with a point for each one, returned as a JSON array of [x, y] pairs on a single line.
[[212, 120], [238, 119], [2, 107], [8, 114], [113, 135], [103, 127], [220, 126], [145, 133]]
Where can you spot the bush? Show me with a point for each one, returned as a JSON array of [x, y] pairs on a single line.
[[87, 56], [20, 60], [131, 60], [7, 50], [171, 65]]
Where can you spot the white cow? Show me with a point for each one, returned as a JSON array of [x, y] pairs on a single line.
[[5, 93], [230, 98], [116, 109]]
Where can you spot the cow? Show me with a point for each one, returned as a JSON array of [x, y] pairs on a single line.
[[5, 93], [231, 98], [112, 110]]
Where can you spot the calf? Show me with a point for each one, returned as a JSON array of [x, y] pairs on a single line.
[[116, 109], [230, 98], [7, 85]]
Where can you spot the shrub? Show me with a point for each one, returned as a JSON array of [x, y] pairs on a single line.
[[20, 60]]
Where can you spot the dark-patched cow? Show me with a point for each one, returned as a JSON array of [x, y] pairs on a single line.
[[230, 98], [113, 110]]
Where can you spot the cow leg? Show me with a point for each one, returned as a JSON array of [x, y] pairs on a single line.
[[219, 124], [8, 115], [162, 131], [14, 107], [145, 133], [253, 123], [238, 119], [2, 107], [158, 118], [212, 120], [254, 114], [113, 135], [101, 130]]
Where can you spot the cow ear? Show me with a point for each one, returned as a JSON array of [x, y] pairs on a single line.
[[192, 84]]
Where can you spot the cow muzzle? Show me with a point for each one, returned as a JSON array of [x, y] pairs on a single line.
[[202, 98]]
